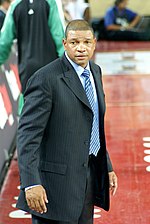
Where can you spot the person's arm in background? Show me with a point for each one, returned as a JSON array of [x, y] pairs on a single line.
[[114, 27], [130, 26], [87, 14], [109, 20], [134, 22], [56, 27], [7, 34], [110, 17]]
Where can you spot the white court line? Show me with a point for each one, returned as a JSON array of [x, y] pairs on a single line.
[[146, 144], [146, 139], [148, 168], [147, 151], [147, 158]]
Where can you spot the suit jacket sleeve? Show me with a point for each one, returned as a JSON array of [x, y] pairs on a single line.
[[35, 114], [109, 164]]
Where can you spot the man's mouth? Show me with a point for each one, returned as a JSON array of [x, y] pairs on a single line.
[[81, 56]]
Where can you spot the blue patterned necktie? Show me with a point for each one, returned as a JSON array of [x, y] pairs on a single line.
[[94, 141]]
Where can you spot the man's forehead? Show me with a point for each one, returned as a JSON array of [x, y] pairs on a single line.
[[87, 34], [79, 31]]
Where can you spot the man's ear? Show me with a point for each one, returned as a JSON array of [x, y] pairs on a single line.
[[64, 42], [95, 41]]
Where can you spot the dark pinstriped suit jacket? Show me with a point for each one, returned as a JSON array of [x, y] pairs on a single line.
[[53, 140]]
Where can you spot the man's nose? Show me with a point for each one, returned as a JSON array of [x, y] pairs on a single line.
[[81, 47]]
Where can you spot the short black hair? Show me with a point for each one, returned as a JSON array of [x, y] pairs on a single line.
[[117, 2], [78, 24]]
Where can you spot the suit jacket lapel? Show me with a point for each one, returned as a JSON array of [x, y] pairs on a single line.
[[99, 87], [73, 82]]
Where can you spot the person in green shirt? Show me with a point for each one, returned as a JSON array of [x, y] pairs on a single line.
[[39, 32]]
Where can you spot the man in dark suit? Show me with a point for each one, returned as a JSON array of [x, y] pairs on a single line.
[[64, 166]]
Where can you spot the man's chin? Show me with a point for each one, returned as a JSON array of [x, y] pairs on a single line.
[[81, 62]]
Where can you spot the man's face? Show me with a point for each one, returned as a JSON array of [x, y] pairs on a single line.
[[80, 46], [123, 4]]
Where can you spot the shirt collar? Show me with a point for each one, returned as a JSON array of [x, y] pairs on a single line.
[[77, 67]]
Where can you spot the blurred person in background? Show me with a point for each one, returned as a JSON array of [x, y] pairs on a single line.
[[37, 26], [4, 5], [122, 23], [77, 9]]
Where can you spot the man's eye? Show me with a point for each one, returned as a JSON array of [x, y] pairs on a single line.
[[88, 42]]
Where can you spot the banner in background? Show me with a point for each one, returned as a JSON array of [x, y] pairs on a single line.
[[9, 95]]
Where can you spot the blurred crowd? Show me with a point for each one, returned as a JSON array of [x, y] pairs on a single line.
[[72, 9], [76, 9], [118, 23]]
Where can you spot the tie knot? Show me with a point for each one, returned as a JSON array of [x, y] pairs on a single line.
[[86, 73]]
